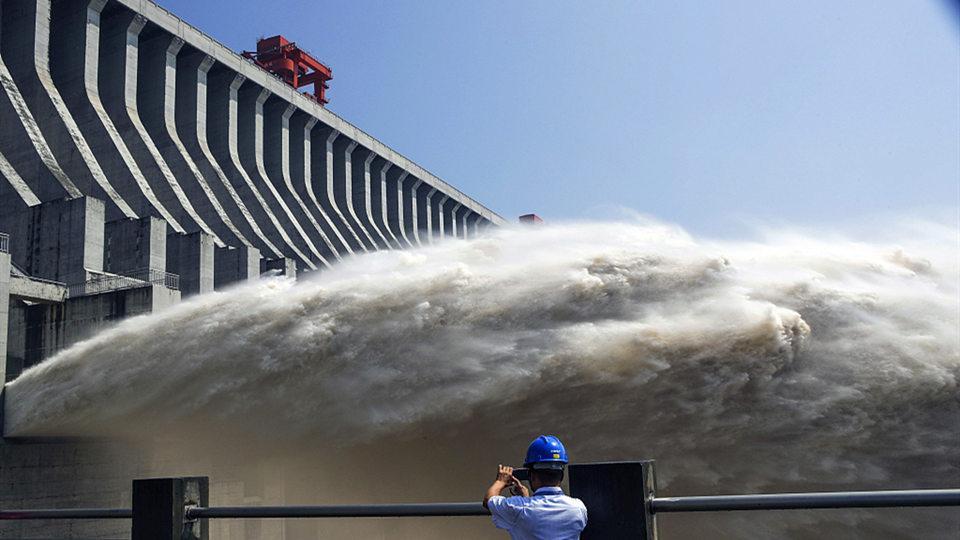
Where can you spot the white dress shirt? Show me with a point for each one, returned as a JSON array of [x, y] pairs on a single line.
[[547, 515]]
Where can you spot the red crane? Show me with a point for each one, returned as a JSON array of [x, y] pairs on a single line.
[[292, 64]]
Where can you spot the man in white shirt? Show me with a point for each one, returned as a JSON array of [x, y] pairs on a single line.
[[546, 515]]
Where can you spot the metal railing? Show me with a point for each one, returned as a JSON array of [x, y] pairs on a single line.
[[67, 513], [805, 501], [774, 501], [339, 511], [20, 274], [620, 498], [4, 243], [132, 279], [658, 505]]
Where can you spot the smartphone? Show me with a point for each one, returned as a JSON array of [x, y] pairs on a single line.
[[522, 474]]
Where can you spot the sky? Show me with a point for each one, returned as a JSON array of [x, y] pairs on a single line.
[[717, 116]]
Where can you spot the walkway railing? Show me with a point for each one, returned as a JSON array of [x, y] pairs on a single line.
[[620, 498], [132, 279], [18, 273], [339, 511], [66, 513], [4, 243], [803, 501]]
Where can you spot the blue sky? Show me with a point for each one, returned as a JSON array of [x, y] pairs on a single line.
[[713, 115]]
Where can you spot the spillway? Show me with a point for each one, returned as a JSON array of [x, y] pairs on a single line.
[[139, 154]]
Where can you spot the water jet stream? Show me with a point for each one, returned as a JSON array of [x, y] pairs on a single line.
[[795, 363]]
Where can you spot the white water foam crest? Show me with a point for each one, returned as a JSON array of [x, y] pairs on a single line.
[[798, 360]]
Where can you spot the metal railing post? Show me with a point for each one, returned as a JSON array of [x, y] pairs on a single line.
[[617, 496], [159, 508]]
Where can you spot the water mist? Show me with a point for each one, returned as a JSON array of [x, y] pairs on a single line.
[[797, 362]]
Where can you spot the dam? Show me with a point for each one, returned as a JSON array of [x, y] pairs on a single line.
[[142, 162]]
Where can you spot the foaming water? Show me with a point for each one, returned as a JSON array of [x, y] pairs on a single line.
[[796, 362]]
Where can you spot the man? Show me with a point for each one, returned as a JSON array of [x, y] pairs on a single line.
[[548, 514]]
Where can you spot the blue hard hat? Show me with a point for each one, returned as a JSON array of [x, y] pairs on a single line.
[[546, 452]]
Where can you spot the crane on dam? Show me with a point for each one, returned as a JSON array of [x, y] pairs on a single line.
[[292, 65]]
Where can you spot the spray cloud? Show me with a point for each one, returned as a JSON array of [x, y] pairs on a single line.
[[795, 362]]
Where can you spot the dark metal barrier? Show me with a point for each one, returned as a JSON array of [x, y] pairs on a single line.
[[620, 498]]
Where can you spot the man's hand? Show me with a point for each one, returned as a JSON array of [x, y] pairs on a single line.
[[505, 474], [504, 479], [518, 489]]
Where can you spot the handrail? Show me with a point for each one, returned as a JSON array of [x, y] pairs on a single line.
[[340, 511], [106, 282], [23, 275], [798, 501], [713, 503], [67, 513], [330, 511]]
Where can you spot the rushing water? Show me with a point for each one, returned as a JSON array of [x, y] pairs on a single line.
[[794, 362]]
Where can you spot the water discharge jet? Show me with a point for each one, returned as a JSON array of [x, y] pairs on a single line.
[[791, 364]]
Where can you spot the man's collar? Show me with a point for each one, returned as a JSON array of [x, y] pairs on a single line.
[[549, 490]]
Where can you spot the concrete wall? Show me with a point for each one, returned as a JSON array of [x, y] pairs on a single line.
[[4, 314], [233, 266], [16, 340], [191, 257], [60, 240], [67, 241], [64, 474], [74, 64], [330, 191], [37, 331], [25, 47], [135, 245], [297, 144], [25, 151], [189, 195]]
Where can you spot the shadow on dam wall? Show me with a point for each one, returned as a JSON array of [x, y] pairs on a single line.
[[75, 473], [63, 473], [97, 473]]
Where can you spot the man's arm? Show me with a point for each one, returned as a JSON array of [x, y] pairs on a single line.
[[504, 479]]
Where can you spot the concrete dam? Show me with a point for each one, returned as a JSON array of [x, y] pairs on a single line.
[[142, 161]]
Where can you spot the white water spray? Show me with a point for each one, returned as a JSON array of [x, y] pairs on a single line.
[[793, 363]]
